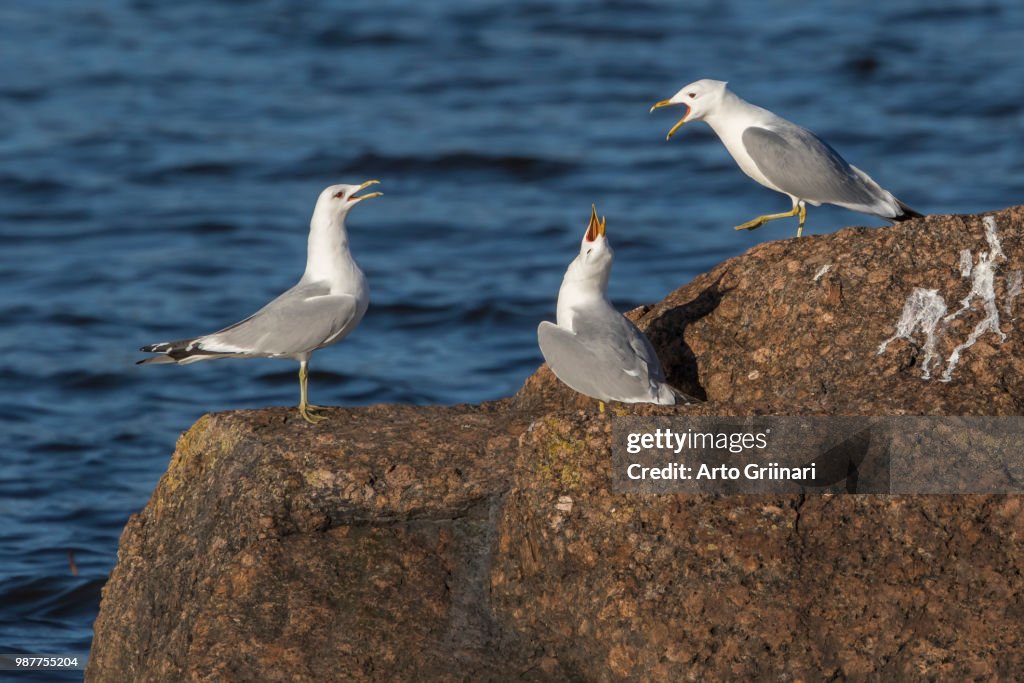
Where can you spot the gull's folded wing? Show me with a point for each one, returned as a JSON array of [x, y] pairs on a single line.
[[801, 164], [299, 321], [599, 361]]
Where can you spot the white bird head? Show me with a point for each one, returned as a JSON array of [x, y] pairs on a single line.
[[701, 98], [595, 258], [336, 200]]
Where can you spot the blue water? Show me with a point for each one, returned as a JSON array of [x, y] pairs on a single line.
[[159, 161]]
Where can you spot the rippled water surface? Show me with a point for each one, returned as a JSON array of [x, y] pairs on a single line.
[[159, 162]]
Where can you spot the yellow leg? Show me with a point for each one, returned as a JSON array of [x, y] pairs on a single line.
[[306, 409], [761, 220], [803, 217], [600, 406]]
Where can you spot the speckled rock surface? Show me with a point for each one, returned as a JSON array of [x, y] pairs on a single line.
[[676, 588], [484, 543], [272, 550]]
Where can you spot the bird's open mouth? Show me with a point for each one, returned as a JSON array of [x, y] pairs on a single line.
[[596, 226], [669, 103], [358, 198]]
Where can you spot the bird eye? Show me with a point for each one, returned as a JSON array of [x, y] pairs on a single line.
[[692, 95], [589, 250], [339, 195]]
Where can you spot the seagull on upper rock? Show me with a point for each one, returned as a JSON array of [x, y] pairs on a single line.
[[783, 157]]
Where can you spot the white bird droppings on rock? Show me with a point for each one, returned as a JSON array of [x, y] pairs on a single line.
[[821, 271], [1014, 285], [983, 287], [992, 237], [925, 309], [966, 263], [922, 311]]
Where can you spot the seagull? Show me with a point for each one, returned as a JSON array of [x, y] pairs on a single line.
[[783, 157], [594, 349], [323, 307]]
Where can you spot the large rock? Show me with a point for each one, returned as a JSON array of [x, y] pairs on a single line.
[[484, 542], [275, 551]]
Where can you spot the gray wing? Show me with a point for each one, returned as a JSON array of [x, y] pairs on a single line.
[[803, 165], [301, 320], [606, 358]]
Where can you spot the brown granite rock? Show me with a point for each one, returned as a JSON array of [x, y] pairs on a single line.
[[674, 588], [484, 542], [272, 550]]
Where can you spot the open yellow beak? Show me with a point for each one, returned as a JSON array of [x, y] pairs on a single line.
[[667, 103], [596, 226], [354, 198]]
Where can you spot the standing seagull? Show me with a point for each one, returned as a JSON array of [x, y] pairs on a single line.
[[323, 307], [594, 349], [783, 157]]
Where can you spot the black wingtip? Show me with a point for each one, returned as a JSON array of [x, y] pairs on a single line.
[[683, 398], [906, 213]]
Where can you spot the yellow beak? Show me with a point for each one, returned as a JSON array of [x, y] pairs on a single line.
[[354, 198], [667, 103], [596, 227]]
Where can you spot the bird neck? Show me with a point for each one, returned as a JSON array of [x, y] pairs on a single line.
[[734, 112], [328, 256], [577, 292]]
